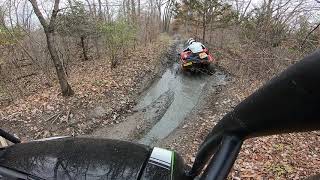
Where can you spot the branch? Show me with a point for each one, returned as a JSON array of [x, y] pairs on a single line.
[[281, 6], [305, 39], [245, 10], [39, 14], [54, 13]]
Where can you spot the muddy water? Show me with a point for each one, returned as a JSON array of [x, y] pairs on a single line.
[[186, 88]]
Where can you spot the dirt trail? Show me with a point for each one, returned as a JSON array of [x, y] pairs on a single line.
[[166, 104]]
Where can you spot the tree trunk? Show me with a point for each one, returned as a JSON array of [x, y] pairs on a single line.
[[2, 18], [89, 6], [84, 49], [107, 11], [128, 10], [159, 18], [204, 28], [139, 8], [100, 14], [133, 11], [96, 44], [64, 85], [49, 30]]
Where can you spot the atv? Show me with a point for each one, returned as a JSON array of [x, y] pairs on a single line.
[[203, 61]]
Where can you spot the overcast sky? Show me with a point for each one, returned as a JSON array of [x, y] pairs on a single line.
[[46, 6]]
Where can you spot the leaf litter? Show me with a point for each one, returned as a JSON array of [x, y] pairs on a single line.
[[101, 95]]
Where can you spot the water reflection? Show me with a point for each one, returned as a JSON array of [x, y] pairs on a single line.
[[76, 159]]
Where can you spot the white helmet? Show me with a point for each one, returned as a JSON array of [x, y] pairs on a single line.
[[190, 41]]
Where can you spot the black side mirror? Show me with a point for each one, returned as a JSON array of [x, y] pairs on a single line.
[[288, 103]]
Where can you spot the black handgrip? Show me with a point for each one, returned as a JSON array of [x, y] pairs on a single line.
[[9, 137], [223, 160]]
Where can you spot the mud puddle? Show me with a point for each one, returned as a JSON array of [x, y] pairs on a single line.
[[187, 89]]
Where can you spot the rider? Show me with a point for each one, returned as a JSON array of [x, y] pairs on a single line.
[[194, 47]]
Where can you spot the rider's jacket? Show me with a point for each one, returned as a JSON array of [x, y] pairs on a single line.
[[195, 47]]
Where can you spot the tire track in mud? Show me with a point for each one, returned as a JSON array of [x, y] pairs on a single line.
[[135, 125]]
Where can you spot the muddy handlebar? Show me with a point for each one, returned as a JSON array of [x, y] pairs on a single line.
[[288, 103], [9, 137], [221, 163]]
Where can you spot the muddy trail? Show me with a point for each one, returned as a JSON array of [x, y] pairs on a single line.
[[166, 103]]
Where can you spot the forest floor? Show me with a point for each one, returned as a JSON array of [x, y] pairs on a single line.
[[287, 156], [101, 95]]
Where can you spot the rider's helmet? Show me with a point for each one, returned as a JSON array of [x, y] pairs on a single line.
[[190, 41]]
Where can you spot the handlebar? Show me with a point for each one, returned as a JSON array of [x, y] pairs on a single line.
[[9, 137], [223, 160]]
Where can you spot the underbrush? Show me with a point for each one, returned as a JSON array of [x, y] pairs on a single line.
[[102, 94], [252, 65]]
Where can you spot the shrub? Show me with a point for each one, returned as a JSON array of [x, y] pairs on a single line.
[[10, 38], [118, 35]]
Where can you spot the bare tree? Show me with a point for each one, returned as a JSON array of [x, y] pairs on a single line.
[[139, 8], [49, 29], [100, 13], [2, 17], [305, 39], [168, 12], [206, 13], [133, 10], [241, 7], [159, 4]]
